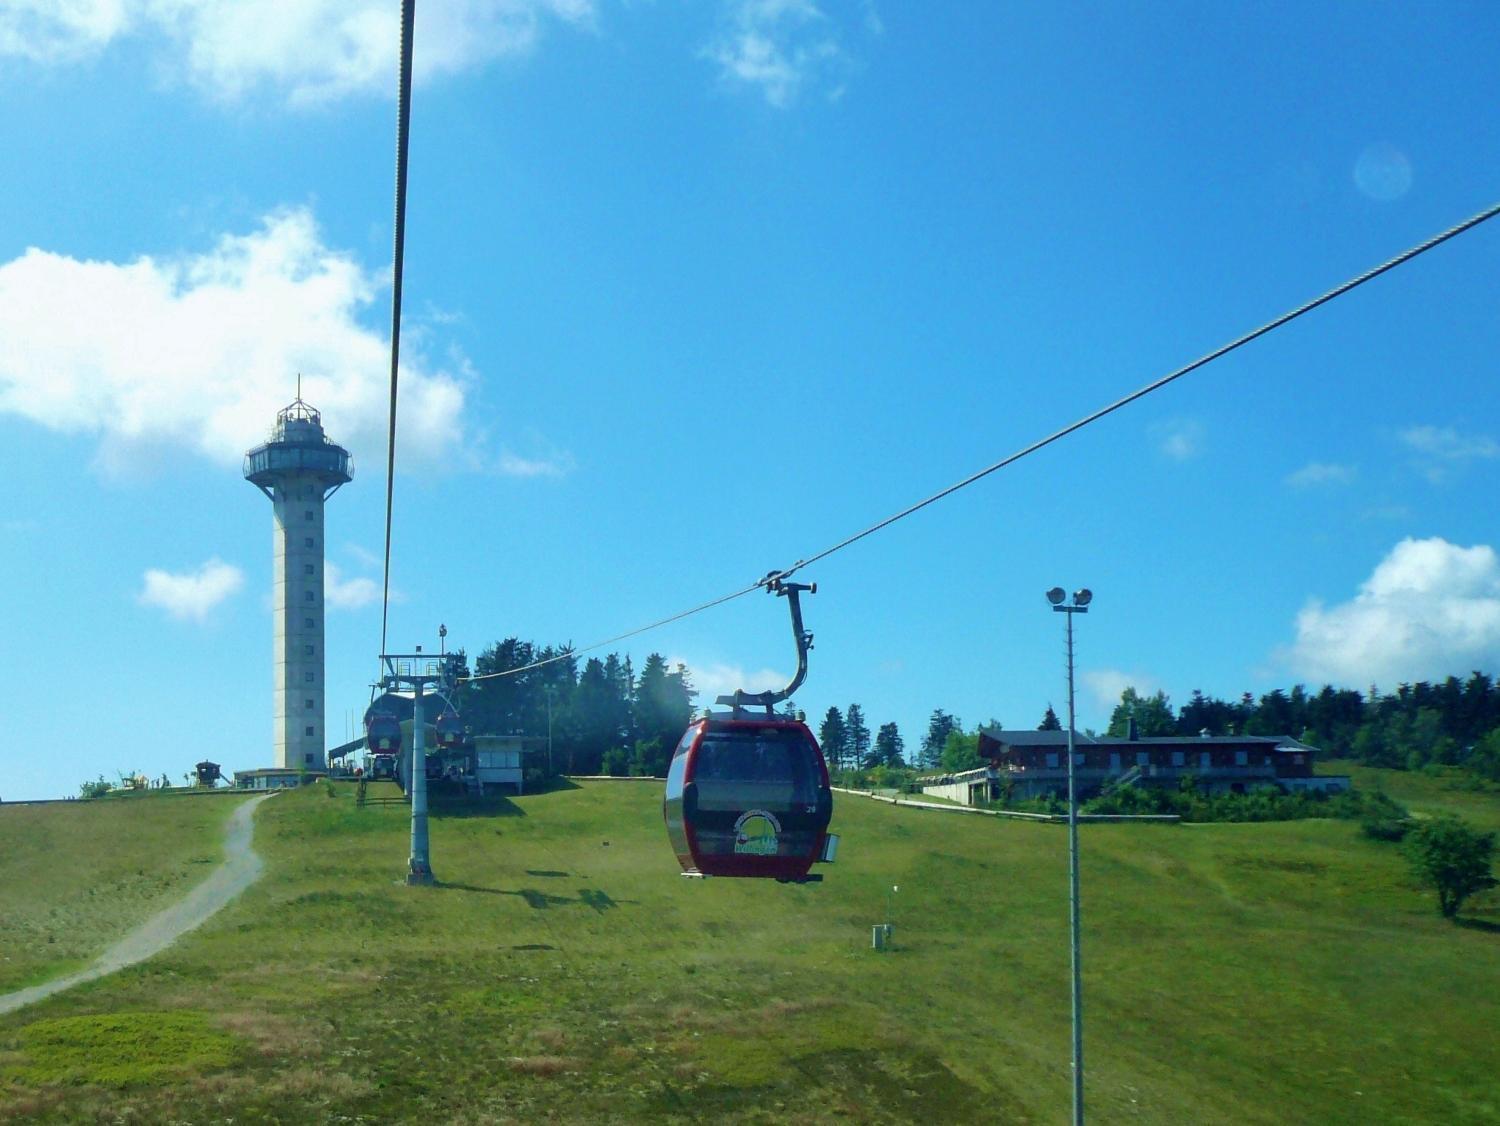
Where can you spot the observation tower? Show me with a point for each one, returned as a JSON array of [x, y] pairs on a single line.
[[298, 468]]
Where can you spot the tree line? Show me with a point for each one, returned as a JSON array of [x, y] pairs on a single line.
[[1448, 723], [604, 719], [608, 718]]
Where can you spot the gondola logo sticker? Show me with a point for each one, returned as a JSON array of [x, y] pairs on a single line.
[[756, 833]]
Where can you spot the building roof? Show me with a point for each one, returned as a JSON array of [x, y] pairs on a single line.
[[1021, 737]]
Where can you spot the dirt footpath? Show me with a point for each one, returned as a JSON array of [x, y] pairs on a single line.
[[241, 868]]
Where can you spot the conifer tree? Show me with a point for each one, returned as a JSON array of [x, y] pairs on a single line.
[[857, 737], [833, 736]]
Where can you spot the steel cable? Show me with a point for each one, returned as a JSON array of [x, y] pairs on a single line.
[[1155, 385], [403, 132]]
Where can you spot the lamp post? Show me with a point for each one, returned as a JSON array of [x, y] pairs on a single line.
[[1079, 605]]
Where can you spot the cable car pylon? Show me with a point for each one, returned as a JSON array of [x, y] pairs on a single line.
[[748, 795]]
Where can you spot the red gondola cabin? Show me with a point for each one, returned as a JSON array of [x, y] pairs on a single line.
[[748, 796]]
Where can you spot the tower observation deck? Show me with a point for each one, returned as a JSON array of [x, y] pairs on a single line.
[[298, 468]]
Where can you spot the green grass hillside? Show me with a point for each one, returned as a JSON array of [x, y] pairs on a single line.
[[75, 877], [1233, 973]]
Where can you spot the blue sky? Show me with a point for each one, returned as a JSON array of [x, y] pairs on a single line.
[[696, 289]]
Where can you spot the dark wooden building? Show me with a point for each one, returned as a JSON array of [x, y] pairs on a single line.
[[1035, 762]]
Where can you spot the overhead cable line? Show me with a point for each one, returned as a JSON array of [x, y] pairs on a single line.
[[403, 130], [1155, 385]]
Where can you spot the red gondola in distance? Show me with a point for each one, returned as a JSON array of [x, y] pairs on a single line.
[[449, 729], [382, 732], [748, 796]]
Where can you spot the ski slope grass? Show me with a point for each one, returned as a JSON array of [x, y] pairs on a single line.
[[74, 877], [1233, 973]]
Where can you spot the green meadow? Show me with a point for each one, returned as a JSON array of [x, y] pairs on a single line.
[[75, 877], [563, 970]]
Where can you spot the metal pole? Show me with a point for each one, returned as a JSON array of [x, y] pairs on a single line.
[[1073, 900], [420, 869], [549, 731]]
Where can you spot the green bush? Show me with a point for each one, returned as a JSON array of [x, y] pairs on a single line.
[[1264, 803], [1452, 857]]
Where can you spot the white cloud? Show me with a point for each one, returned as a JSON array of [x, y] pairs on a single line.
[[1316, 473], [314, 50], [780, 46], [200, 351], [347, 593], [190, 596], [1180, 439], [1441, 448], [1106, 685], [52, 31], [553, 465], [713, 679], [1430, 608]]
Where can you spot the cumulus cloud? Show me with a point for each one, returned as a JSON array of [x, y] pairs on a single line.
[[1106, 685], [53, 31], [714, 679], [314, 50], [778, 47], [1430, 608], [350, 593], [553, 465], [1441, 449], [191, 595], [199, 351], [1316, 473], [1180, 439]]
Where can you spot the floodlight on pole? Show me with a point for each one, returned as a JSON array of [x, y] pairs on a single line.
[[1080, 605]]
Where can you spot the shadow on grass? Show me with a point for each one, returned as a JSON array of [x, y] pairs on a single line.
[[1478, 924], [452, 807], [553, 785], [600, 901]]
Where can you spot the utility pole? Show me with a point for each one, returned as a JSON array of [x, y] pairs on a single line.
[[1080, 605]]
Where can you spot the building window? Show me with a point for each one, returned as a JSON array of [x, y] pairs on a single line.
[[308, 542], [308, 677], [1178, 759], [307, 568], [307, 623], [308, 515], [1241, 758], [307, 650], [307, 705], [308, 597], [308, 731], [1143, 758], [1114, 760], [1205, 760], [1052, 760], [307, 758], [1078, 759]]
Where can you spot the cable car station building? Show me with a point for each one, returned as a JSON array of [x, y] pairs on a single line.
[[1034, 763]]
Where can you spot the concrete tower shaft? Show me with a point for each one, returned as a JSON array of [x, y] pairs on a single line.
[[298, 469]]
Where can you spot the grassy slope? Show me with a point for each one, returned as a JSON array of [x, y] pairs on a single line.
[[1447, 792], [75, 877], [1233, 973]]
